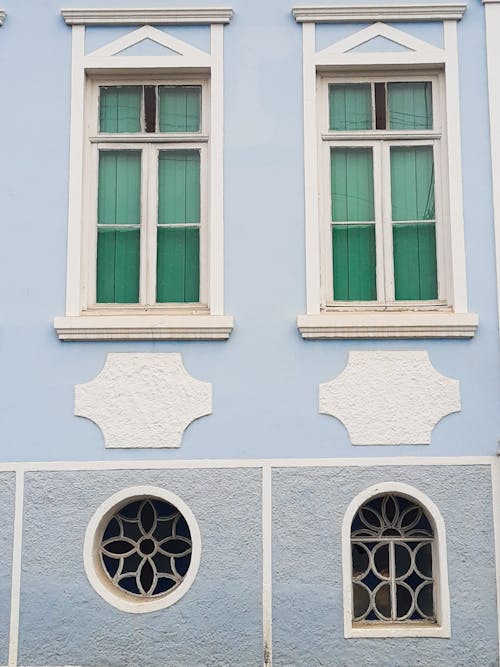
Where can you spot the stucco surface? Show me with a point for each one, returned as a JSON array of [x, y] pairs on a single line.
[[217, 623], [7, 496], [309, 505], [143, 400], [389, 398], [265, 376]]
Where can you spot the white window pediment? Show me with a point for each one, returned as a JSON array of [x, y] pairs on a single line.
[[145, 313], [174, 48], [375, 57], [412, 50]]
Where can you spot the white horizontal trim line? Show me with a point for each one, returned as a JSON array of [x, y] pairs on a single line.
[[360, 462], [144, 327], [152, 16], [353, 13], [388, 325]]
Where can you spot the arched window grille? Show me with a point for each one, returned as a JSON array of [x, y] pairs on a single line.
[[392, 546]]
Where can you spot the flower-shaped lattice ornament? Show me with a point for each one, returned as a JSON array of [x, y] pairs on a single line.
[[146, 548]]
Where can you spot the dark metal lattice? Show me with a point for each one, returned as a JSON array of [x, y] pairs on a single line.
[[146, 548], [392, 575]]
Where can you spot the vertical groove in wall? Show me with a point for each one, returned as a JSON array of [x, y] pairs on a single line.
[[267, 611], [16, 570], [495, 496]]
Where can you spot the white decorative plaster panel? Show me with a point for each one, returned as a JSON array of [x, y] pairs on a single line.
[[143, 400], [389, 398]]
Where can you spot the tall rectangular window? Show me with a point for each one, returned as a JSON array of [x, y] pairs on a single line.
[[151, 163], [382, 139]]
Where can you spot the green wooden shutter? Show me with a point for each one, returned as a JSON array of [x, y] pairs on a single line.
[[410, 105], [120, 108], [353, 245], [414, 242], [180, 108], [118, 231], [178, 237], [350, 106]]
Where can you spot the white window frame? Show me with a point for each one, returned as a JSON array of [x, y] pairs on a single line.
[[380, 141], [149, 144], [442, 627], [84, 319], [448, 316], [93, 535]]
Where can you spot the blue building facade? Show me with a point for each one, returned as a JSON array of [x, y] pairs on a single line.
[[249, 345]]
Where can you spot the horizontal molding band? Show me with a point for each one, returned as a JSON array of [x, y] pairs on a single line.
[[355, 13], [219, 464], [144, 327], [150, 16], [387, 325]]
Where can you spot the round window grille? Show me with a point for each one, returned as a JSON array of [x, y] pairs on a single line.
[[146, 548]]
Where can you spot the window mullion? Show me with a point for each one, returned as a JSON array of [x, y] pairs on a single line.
[[378, 184], [392, 576], [150, 224], [388, 259]]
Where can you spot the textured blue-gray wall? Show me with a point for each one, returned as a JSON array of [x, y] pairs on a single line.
[[219, 620], [309, 505], [7, 495]]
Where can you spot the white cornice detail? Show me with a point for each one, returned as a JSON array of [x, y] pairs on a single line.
[[388, 325], [153, 16], [144, 327], [2, 16], [357, 13]]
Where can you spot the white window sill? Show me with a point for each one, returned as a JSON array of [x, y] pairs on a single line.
[[144, 327], [399, 630], [388, 325]]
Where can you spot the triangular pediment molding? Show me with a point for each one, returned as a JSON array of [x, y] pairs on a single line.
[[147, 32], [385, 31], [379, 44]]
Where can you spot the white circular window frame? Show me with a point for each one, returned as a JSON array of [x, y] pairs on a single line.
[[91, 556]]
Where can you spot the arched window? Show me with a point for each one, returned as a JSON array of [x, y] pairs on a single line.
[[394, 562], [392, 571]]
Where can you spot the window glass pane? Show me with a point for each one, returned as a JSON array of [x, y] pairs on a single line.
[[352, 184], [178, 252], [415, 269], [350, 106], [119, 197], [120, 108], [410, 105], [180, 108], [178, 187], [117, 265], [412, 183], [118, 236], [354, 263], [177, 267]]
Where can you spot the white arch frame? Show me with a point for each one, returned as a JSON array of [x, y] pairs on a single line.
[[439, 563], [93, 569]]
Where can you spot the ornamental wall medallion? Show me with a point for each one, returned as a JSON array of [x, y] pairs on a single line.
[[143, 400], [389, 398]]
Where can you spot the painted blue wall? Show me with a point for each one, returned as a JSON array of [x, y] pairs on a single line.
[[308, 624], [7, 492], [265, 377]]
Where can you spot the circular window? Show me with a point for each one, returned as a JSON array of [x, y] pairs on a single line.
[[142, 549]]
